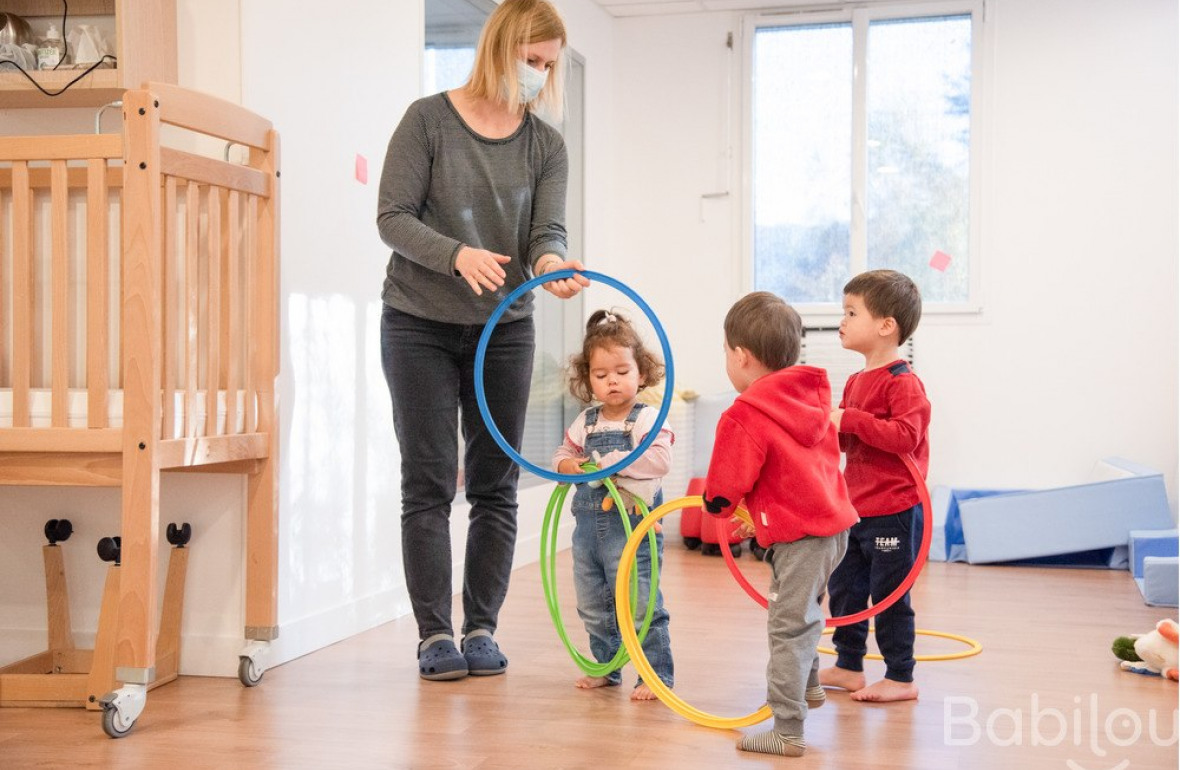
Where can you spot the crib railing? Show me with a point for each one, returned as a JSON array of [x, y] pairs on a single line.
[[46, 185], [129, 265]]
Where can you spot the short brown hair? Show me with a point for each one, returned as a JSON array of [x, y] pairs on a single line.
[[610, 329], [889, 294], [766, 327], [512, 24]]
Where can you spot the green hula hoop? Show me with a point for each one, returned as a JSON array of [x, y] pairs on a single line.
[[549, 571]]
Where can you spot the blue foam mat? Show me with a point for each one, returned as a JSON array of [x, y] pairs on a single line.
[[1014, 525]]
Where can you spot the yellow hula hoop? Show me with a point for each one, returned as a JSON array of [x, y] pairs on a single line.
[[973, 647], [631, 639]]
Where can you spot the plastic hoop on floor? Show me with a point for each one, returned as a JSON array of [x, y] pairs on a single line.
[[631, 640], [549, 571], [879, 607], [973, 647], [481, 397]]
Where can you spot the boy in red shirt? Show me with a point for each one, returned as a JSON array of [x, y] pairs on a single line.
[[777, 448], [884, 414]]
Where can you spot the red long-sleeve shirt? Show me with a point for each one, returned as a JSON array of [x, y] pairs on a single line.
[[886, 414]]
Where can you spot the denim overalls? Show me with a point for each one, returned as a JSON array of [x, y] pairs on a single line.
[[598, 543]]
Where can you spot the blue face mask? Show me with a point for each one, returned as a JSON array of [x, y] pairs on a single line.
[[530, 81]]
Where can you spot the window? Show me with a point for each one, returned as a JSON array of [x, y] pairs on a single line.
[[864, 152], [452, 31]]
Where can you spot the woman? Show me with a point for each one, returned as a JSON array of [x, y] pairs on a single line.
[[472, 202]]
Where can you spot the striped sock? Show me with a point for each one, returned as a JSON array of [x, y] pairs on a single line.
[[771, 742], [815, 697]]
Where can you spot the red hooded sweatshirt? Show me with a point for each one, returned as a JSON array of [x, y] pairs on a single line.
[[777, 447]]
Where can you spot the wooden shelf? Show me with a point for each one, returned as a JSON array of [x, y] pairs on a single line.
[[145, 44], [98, 88]]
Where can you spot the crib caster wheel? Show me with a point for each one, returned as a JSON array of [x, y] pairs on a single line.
[[110, 549], [179, 536], [692, 543], [250, 667], [58, 530], [247, 673], [121, 708]]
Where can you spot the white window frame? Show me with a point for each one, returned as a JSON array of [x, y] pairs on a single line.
[[860, 16]]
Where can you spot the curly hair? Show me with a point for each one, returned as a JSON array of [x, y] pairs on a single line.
[[610, 329]]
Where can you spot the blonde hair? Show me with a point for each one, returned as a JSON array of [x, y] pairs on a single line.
[[513, 24], [607, 329]]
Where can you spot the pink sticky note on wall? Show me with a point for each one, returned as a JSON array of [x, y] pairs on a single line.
[[362, 169], [940, 260]]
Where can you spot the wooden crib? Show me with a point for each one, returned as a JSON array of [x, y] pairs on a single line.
[[139, 334]]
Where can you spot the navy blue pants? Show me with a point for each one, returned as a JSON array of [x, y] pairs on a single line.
[[430, 369], [880, 554]]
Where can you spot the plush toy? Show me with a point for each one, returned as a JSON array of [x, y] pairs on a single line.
[[1154, 653]]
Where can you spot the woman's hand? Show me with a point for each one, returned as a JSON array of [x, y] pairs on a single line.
[[566, 287], [481, 268]]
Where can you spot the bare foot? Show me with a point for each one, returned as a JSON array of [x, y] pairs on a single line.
[[887, 691], [590, 682], [642, 692], [834, 676]]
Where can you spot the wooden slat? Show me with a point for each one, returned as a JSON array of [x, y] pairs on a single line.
[[5, 366], [60, 299], [249, 422], [232, 335], [22, 293], [64, 147], [57, 599], [181, 452], [59, 440], [213, 313], [135, 646], [72, 661], [52, 468], [191, 304], [209, 115], [37, 690], [262, 488], [40, 178], [168, 642], [41, 663], [97, 295], [169, 313], [197, 168], [101, 679]]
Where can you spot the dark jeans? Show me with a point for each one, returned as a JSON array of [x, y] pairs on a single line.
[[880, 555], [430, 368]]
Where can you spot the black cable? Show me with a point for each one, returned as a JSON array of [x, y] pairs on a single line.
[[63, 89], [65, 45]]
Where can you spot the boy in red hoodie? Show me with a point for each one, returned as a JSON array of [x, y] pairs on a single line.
[[884, 414], [777, 447]]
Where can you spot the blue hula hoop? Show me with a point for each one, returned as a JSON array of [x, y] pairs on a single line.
[[481, 397]]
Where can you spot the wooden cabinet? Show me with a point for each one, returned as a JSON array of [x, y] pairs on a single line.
[[144, 42]]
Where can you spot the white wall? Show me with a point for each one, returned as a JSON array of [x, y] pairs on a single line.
[[1074, 356]]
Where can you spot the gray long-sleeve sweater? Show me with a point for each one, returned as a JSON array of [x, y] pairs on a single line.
[[444, 186]]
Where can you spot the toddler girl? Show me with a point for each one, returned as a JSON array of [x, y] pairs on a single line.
[[612, 368]]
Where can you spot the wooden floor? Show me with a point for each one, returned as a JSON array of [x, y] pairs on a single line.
[[1045, 693]]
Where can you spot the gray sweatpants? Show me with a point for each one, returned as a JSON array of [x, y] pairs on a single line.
[[799, 579]]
